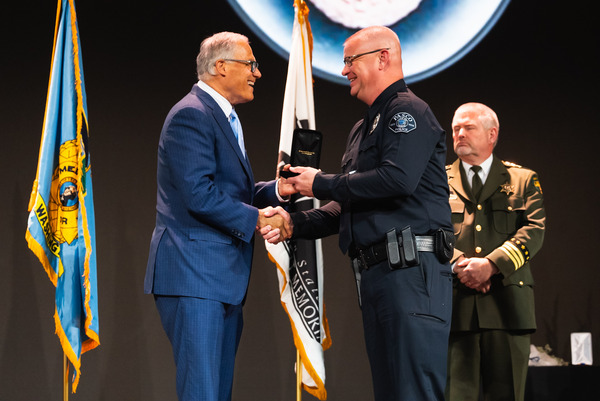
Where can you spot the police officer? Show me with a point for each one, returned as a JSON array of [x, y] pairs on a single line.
[[389, 205], [499, 220]]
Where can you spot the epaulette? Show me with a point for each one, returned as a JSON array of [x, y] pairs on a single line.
[[511, 164]]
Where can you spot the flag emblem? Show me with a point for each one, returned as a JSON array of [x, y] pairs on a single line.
[[64, 204]]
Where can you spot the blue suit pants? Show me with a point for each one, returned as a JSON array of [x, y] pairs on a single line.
[[205, 335]]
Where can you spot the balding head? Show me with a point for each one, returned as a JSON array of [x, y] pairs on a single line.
[[371, 73]]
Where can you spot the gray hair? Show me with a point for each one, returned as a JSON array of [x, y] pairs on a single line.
[[218, 46], [487, 116]]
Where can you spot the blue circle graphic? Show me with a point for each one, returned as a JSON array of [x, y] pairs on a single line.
[[434, 36]]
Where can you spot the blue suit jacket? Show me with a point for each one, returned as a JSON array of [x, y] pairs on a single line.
[[206, 208]]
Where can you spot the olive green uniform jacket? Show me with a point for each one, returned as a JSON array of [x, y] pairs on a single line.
[[506, 226]]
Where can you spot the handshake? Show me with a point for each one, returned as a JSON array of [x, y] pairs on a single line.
[[274, 223]]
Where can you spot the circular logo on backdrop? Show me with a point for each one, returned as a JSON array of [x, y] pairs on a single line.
[[363, 13], [434, 34]]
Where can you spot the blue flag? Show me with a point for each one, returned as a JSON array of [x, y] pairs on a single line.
[[60, 227]]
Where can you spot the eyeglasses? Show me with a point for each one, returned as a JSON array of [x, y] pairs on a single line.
[[253, 64], [349, 59]]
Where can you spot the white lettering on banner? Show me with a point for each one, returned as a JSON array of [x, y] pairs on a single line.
[[306, 299]]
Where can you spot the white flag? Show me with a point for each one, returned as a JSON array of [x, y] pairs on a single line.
[[300, 262]]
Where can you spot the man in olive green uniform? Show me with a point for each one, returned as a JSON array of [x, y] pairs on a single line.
[[499, 220]]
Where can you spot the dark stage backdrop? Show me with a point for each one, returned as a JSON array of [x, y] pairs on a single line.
[[537, 68]]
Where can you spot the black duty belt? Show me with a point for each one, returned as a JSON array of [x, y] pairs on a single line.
[[367, 257]]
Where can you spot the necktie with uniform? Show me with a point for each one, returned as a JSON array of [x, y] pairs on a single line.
[[476, 184]]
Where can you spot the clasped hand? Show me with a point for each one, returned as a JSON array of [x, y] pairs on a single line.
[[274, 224], [476, 273], [303, 182]]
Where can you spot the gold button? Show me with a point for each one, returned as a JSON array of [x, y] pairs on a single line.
[[521, 283], [478, 249], [478, 227], [510, 208], [479, 207]]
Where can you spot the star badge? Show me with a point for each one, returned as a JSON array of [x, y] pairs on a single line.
[[507, 188]]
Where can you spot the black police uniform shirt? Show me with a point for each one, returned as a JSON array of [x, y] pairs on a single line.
[[393, 176]]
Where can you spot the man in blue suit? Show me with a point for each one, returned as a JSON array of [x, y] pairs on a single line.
[[207, 212]]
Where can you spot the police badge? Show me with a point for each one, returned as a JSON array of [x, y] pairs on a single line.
[[507, 188], [402, 122], [375, 122]]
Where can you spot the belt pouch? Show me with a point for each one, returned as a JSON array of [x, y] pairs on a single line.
[[393, 249], [409, 246], [444, 245]]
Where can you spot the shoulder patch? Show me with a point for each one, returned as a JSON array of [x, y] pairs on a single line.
[[511, 164], [402, 122], [537, 184]]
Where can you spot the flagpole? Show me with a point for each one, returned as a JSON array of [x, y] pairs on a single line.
[[65, 378], [298, 376], [298, 360]]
